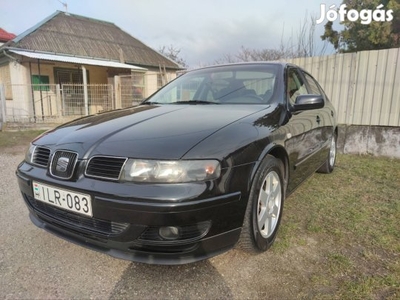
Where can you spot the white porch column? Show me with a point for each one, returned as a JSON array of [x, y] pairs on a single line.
[[117, 90], [2, 105], [85, 91]]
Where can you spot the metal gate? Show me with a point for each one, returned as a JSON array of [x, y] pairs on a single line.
[[54, 103], [100, 97]]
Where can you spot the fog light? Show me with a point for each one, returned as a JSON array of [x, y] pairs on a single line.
[[170, 233]]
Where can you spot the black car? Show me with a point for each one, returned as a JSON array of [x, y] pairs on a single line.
[[199, 167]]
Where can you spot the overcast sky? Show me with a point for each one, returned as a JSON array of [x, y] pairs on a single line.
[[204, 30]]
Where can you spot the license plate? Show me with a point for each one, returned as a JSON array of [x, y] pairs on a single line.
[[68, 200]]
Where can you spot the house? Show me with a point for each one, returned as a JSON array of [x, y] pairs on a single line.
[[5, 36], [70, 65]]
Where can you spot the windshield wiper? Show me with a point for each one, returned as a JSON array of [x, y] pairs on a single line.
[[150, 103], [195, 102]]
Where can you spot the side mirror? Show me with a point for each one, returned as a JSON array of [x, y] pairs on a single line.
[[307, 102]]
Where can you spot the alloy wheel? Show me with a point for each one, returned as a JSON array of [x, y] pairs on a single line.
[[332, 152], [269, 204]]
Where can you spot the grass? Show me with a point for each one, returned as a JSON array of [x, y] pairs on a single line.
[[354, 217], [10, 139]]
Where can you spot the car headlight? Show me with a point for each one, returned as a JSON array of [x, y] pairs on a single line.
[[29, 153], [139, 170]]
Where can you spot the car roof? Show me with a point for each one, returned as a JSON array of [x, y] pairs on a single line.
[[283, 64]]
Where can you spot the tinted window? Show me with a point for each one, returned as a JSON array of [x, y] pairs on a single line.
[[314, 89], [295, 85]]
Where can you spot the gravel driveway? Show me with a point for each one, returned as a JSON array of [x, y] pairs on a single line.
[[37, 265]]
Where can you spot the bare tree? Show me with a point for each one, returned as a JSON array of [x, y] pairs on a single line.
[[306, 42], [173, 53], [302, 45], [247, 54], [226, 59]]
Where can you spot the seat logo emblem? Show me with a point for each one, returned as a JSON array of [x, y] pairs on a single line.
[[62, 164]]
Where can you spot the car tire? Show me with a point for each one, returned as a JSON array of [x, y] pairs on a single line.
[[329, 164], [264, 208]]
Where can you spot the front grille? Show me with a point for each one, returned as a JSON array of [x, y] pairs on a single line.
[[95, 226], [63, 164], [105, 167], [41, 156]]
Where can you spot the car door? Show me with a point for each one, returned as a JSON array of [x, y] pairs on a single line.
[[305, 135], [325, 115]]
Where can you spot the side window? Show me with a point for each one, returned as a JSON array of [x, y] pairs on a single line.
[[295, 86], [313, 85]]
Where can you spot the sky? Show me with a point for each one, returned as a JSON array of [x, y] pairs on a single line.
[[203, 30]]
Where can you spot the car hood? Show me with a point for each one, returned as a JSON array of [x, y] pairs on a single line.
[[146, 131]]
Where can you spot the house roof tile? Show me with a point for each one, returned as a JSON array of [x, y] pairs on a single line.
[[64, 33], [5, 36]]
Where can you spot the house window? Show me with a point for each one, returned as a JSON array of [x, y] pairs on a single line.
[[40, 82], [63, 76], [138, 86]]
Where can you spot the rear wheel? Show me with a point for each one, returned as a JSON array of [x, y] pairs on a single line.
[[264, 208], [329, 164]]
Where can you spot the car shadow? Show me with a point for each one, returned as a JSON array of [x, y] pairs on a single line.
[[196, 280]]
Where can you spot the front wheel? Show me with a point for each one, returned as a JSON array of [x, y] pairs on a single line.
[[264, 208]]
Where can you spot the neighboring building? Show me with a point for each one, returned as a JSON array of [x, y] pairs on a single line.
[[5, 36], [69, 54]]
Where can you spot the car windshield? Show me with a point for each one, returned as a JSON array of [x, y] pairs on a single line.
[[240, 84]]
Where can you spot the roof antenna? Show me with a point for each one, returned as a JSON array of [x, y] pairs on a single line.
[[65, 4]]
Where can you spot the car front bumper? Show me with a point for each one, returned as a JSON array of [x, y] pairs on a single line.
[[127, 217]]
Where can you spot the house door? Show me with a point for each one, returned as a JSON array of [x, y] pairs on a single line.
[[71, 82]]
